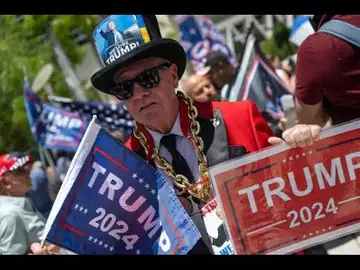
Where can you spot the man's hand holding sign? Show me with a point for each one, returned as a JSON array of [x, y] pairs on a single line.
[[285, 199]]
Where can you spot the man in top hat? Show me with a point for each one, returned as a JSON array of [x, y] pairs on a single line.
[[179, 138]]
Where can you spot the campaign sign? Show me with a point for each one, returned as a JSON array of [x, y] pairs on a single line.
[[216, 230], [113, 202], [281, 200], [118, 35], [60, 129]]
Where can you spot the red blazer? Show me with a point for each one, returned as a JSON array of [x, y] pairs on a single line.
[[241, 123]]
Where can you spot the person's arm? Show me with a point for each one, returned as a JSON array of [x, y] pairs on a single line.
[[13, 236], [316, 71], [311, 114], [103, 34]]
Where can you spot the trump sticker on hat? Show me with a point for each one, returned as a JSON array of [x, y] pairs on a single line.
[[118, 35]]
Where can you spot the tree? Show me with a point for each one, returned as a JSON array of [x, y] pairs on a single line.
[[24, 45], [278, 44]]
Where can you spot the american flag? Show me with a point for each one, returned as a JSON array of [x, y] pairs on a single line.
[[110, 116], [199, 36]]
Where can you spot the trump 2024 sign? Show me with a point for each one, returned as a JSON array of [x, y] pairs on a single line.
[[282, 200]]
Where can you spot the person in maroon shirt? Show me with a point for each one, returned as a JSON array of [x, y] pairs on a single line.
[[328, 76]]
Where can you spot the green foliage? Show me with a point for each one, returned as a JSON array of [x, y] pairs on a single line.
[[23, 46], [278, 44]]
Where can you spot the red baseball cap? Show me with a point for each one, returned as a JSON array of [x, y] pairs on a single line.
[[13, 161]]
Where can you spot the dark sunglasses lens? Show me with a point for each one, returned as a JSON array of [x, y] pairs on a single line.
[[124, 91], [149, 78]]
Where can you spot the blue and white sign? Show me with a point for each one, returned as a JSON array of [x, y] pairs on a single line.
[[117, 35], [113, 202], [52, 127], [301, 29], [61, 129]]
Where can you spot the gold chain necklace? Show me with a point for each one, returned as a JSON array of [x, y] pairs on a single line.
[[201, 190]]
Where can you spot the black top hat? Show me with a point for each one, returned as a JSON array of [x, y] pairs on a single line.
[[123, 39]]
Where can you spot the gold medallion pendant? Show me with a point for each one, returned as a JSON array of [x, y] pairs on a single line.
[[205, 191], [202, 189]]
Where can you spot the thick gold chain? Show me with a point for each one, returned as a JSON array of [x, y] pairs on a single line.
[[201, 190]]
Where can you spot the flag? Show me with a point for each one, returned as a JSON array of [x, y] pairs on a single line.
[[199, 36], [52, 127], [114, 202], [257, 80], [33, 106], [110, 116], [301, 29]]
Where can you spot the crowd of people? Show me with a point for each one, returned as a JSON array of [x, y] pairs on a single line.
[[324, 85]]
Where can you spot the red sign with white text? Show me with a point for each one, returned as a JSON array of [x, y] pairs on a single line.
[[282, 200]]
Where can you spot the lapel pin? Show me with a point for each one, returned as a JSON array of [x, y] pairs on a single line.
[[215, 121]]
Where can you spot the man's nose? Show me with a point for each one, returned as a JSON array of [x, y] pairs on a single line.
[[140, 92], [208, 91]]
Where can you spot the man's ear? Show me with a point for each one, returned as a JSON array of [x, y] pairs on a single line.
[[173, 69]]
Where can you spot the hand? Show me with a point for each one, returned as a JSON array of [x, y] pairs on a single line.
[[282, 123], [46, 250], [298, 136]]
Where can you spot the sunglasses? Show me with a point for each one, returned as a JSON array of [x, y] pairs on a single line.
[[147, 79]]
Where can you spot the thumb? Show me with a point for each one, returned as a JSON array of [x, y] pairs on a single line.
[[37, 249], [275, 140]]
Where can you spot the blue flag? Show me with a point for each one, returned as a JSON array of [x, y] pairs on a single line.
[[52, 127], [33, 107], [199, 36], [113, 202], [110, 116]]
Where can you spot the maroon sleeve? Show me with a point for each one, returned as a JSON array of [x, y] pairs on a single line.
[[315, 68]]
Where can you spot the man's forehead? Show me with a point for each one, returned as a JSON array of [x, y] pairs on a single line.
[[137, 67], [195, 81]]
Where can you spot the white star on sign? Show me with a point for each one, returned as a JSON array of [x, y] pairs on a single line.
[[85, 211], [192, 31], [106, 245], [147, 186], [141, 180], [90, 238], [297, 156], [76, 206], [134, 175], [100, 243], [137, 252], [111, 248], [153, 191], [95, 240], [81, 208], [304, 154]]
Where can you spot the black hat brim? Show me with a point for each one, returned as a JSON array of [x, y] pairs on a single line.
[[169, 49]]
